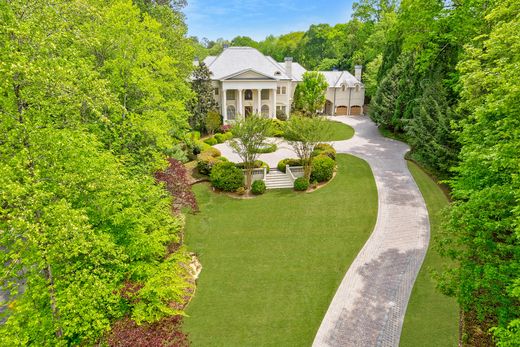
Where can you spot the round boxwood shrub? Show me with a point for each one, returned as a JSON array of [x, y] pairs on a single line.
[[288, 161], [322, 168], [270, 148], [211, 141], [226, 176], [258, 164], [301, 184], [324, 149], [258, 187]]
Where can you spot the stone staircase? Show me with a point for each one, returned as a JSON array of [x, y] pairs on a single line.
[[276, 179]]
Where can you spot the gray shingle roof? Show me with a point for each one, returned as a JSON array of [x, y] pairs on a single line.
[[337, 78], [236, 59]]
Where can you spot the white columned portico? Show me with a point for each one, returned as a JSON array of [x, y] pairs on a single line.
[[224, 106], [259, 102], [239, 103], [274, 102]]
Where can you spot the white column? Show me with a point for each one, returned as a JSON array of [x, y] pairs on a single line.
[[224, 106], [259, 102], [239, 103], [274, 103]]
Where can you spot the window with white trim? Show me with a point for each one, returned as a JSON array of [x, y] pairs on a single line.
[[231, 112], [265, 94], [248, 94], [284, 90], [265, 111], [230, 94], [215, 90]]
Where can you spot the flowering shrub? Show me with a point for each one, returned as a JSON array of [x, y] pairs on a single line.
[[176, 179], [225, 128]]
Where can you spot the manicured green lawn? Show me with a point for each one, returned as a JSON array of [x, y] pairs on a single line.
[[338, 131], [431, 318], [272, 264]]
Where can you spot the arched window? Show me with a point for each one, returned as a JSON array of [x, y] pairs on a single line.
[[248, 94], [265, 111], [343, 87], [231, 112], [357, 88]]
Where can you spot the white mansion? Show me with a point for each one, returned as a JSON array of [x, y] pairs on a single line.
[[247, 82]]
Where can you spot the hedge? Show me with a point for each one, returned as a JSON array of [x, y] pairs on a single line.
[[301, 184], [288, 161], [324, 149], [258, 187], [226, 176]]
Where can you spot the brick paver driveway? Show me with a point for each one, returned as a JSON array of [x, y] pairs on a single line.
[[369, 306]]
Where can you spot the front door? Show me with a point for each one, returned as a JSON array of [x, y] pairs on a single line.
[[248, 110]]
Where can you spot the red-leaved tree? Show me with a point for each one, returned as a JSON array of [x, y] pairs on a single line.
[[176, 178]]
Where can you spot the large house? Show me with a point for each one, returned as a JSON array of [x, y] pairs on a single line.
[[246, 81]]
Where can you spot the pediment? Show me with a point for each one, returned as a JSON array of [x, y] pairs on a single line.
[[248, 74]]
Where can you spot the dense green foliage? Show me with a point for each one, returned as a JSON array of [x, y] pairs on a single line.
[[92, 97], [301, 184], [322, 168], [309, 96], [226, 176], [324, 149], [203, 115], [258, 187], [282, 164], [278, 274]]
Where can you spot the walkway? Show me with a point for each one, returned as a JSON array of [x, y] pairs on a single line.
[[369, 306]]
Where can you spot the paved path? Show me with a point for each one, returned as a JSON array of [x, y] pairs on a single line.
[[369, 306]]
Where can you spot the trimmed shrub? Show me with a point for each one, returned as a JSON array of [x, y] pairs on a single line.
[[211, 152], [322, 168], [258, 187], [288, 161], [226, 176], [268, 149], [324, 149], [301, 184], [205, 163], [219, 138], [211, 141], [195, 135]]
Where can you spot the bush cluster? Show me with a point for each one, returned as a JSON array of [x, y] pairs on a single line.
[[268, 149], [207, 159], [288, 161], [322, 168], [226, 176], [324, 149], [258, 187], [219, 138], [211, 141], [301, 184]]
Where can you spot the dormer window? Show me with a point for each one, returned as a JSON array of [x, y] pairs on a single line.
[[357, 88], [343, 87]]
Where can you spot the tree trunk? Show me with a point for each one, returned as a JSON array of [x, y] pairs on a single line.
[[249, 177]]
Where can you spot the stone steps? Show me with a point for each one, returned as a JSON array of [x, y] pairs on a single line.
[[277, 180]]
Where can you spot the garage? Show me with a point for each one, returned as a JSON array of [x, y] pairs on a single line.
[[341, 110], [355, 110]]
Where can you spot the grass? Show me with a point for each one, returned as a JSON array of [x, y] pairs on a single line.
[[272, 264], [431, 318], [338, 131]]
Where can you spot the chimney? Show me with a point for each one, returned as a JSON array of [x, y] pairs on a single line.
[[196, 61], [357, 72], [288, 66]]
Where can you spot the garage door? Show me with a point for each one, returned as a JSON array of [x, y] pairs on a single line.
[[355, 110], [341, 110]]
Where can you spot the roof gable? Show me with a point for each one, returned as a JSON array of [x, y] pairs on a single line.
[[247, 74]]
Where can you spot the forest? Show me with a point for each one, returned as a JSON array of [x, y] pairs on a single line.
[[95, 102]]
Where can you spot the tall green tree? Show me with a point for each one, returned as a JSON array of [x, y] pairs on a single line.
[[309, 96], [204, 101]]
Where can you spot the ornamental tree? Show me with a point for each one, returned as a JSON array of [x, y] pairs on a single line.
[[250, 135], [303, 133]]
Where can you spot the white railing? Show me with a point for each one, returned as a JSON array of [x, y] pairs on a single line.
[[294, 172], [257, 174]]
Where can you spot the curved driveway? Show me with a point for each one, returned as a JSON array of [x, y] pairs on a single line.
[[369, 306]]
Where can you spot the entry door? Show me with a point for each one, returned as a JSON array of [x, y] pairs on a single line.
[[248, 110]]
